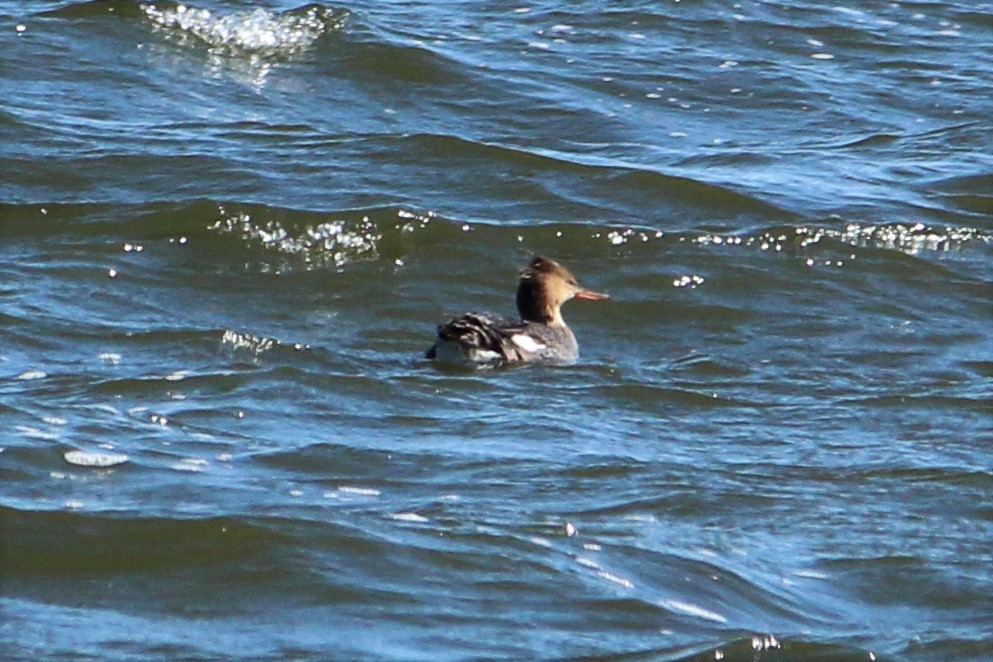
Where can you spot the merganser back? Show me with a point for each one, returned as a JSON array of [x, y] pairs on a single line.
[[539, 335]]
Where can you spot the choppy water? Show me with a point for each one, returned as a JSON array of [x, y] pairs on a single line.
[[227, 232]]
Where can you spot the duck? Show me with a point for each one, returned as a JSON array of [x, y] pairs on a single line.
[[538, 335]]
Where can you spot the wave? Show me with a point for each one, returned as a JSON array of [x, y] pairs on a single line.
[[633, 188], [316, 561], [257, 32], [752, 649], [109, 545], [282, 238], [80, 10], [972, 193]]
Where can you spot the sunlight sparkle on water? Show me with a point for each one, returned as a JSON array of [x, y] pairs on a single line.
[[615, 579], [689, 609], [254, 344], [110, 358], [410, 517], [330, 243], [256, 31]]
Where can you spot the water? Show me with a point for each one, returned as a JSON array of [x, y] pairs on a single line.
[[228, 230]]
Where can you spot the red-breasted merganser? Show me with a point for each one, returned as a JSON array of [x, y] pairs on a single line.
[[539, 335]]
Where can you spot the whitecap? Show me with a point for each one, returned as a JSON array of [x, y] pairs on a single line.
[[257, 31], [191, 464], [361, 491], [92, 459]]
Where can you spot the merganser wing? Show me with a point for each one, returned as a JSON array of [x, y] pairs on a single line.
[[483, 338]]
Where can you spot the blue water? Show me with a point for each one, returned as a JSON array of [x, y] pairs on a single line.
[[228, 231]]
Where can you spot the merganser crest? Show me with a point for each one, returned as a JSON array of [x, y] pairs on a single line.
[[539, 335]]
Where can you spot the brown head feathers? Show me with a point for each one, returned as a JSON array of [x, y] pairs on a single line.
[[544, 286]]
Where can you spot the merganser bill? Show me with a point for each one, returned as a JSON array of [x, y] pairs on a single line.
[[540, 335]]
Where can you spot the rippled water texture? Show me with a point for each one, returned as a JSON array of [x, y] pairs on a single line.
[[228, 231]]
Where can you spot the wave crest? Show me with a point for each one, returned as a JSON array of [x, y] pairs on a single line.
[[257, 31]]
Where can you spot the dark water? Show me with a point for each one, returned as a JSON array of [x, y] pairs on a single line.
[[225, 240]]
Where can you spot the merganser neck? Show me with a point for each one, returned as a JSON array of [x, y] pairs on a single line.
[[534, 305]]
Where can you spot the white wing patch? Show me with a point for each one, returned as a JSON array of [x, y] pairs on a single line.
[[483, 356], [527, 343]]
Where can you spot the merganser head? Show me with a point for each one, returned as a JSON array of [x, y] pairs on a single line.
[[544, 286]]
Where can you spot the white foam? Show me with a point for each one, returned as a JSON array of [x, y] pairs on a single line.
[[191, 464], [32, 374], [361, 491], [98, 460]]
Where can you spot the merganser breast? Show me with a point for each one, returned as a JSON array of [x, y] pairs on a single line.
[[539, 335]]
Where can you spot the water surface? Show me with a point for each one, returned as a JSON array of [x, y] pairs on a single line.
[[228, 230]]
